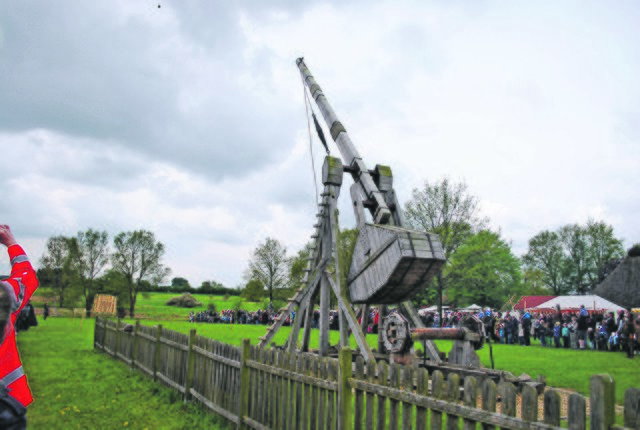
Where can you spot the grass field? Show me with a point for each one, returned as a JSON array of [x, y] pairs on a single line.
[[77, 388], [58, 354]]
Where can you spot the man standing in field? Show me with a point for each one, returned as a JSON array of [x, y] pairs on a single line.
[[15, 293]]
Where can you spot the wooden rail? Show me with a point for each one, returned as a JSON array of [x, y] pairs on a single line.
[[275, 389]]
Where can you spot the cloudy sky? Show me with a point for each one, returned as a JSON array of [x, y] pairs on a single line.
[[189, 120]]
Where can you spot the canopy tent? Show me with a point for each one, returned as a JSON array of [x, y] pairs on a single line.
[[528, 302], [430, 309], [472, 308], [591, 303]]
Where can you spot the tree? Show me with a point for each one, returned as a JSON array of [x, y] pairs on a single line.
[[91, 257], [545, 254], [270, 265], [138, 256], [575, 258], [180, 284], [253, 291], [576, 263], [449, 210], [58, 260], [483, 270], [604, 250]]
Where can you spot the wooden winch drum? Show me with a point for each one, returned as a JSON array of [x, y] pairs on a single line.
[[391, 264]]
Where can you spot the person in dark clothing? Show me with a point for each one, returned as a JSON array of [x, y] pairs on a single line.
[[45, 313], [629, 332], [581, 331], [526, 327]]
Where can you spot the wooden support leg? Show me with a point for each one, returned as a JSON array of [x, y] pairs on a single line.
[[352, 322]]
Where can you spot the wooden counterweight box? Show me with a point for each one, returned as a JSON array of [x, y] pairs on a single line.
[[391, 264]]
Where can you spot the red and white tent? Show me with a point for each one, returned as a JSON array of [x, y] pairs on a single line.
[[591, 303]]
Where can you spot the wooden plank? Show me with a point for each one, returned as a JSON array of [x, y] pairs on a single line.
[[254, 424], [383, 372], [215, 408], [281, 395], [359, 396], [313, 417], [174, 344], [407, 408], [394, 407], [508, 394], [307, 394], [529, 410], [322, 393], [437, 384], [307, 378], [299, 399], [264, 388], [470, 400], [170, 383], [577, 412], [422, 389], [345, 421], [365, 350], [213, 356], [632, 408], [552, 407], [453, 395], [332, 376], [602, 402], [244, 383], [291, 366], [273, 398], [371, 374]]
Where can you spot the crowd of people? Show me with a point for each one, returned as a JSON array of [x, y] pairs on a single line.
[[577, 329]]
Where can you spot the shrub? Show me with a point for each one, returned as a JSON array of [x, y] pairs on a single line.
[[211, 306], [635, 250], [184, 301]]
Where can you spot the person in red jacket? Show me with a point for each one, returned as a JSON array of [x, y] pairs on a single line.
[[15, 293]]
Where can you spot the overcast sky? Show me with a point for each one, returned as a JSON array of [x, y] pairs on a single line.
[[188, 119]]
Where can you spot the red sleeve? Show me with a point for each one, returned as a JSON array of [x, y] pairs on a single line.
[[22, 274]]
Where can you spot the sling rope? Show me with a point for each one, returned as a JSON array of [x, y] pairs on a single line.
[[307, 105]]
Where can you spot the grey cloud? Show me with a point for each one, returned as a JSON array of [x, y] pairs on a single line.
[[81, 70]]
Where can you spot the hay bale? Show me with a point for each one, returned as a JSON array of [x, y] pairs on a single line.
[[184, 301]]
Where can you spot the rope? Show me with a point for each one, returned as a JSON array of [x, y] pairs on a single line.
[[307, 104]]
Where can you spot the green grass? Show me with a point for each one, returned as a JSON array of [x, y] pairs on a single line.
[[77, 387]]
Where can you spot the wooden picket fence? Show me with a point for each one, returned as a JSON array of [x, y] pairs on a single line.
[[273, 389]]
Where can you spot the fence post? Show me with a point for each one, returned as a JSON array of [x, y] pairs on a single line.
[[134, 350], [156, 362], [344, 390], [117, 348], [190, 362], [243, 409], [95, 332], [104, 335], [602, 401]]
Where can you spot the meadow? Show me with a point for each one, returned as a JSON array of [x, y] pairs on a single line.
[[77, 387]]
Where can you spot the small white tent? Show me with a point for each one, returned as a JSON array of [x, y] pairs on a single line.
[[591, 303]]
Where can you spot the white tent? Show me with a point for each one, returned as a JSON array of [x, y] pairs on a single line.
[[472, 308], [591, 303], [430, 309]]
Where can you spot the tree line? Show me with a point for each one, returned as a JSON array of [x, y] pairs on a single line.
[[480, 264], [480, 267]]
